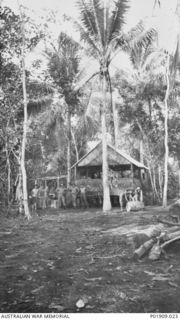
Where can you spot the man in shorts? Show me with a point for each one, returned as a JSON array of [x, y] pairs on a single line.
[[61, 202], [34, 197], [83, 197], [74, 192]]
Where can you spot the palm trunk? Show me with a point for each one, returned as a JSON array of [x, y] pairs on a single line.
[[24, 139], [106, 192], [166, 136], [75, 145], [76, 151], [69, 146], [115, 120]]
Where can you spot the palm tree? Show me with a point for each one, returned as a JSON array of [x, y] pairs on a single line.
[[145, 81], [100, 28], [171, 49], [63, 67]]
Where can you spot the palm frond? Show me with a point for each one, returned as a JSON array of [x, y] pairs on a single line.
[[87, 38], [106, 24], [36, 106], [117, 19], [52, 119], [139, 36], [142, 56], [99, 20], [87, 17]]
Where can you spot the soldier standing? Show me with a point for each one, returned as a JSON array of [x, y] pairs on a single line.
[[61, 197], [138, 194], [34, 194], [45, 198], [83, 197], [41, 196], [74, 192]]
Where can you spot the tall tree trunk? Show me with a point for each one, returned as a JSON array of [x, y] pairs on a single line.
[[76, 151], [69, 146], [150, 110], [160, 181], [154, 182], [166, 135], [106, 192], [9, 174], [75, 145], [115, 120], [24, 139], [141, 153], [151, 180]]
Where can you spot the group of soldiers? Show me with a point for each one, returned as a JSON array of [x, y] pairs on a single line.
[[42, 197], [39, 197]]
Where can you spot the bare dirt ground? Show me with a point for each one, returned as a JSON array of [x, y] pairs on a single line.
[[49, 263]]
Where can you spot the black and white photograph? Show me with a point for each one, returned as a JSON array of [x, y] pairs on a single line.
[[89, 159]]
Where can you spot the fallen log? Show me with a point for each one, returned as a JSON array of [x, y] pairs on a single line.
[[165, 244], [155, 251], [168, 236], [144, 248]]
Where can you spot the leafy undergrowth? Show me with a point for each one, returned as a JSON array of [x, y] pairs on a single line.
[[54, 260]]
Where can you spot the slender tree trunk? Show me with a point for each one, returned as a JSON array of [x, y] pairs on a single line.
[[166, 135], [150, 111], [179, 178], [154, 182], [69, 146], [9, 174], [106, 192], [160, 181], [150, 163], [24, 139], [42, 150], [76, 151], [141, 153], [75, 145], [115, 120]]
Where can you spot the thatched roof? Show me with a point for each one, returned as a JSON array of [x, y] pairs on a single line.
[[115, 157]]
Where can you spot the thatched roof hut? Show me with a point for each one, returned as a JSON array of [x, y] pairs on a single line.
[[116, 158], [128, 171]]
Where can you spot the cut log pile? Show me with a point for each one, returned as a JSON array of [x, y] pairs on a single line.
[[156, 242], [160, 236]]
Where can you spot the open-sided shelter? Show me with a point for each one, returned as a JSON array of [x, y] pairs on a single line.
[[131, 172]]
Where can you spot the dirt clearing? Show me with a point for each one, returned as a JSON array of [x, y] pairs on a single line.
[[82, 261]]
